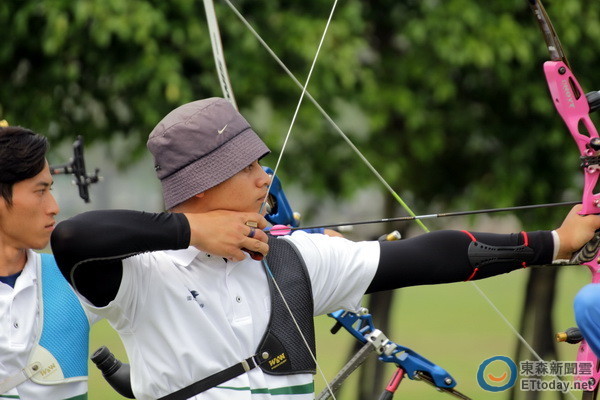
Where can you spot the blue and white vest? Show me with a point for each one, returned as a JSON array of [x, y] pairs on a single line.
[[62, 345]]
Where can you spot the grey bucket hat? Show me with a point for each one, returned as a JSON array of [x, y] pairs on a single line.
[[199, 145]]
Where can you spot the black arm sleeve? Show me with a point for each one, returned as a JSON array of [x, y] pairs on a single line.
[[101, 239], [442, 257]]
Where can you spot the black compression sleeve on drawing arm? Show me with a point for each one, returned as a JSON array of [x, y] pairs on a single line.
[[444, 256], [97, 241]]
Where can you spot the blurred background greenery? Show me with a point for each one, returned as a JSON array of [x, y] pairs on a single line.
[[447, 100], [422, 87]]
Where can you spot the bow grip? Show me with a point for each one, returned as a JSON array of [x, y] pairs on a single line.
[[588, 252]]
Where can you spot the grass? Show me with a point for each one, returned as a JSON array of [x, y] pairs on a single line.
[[451, 325]]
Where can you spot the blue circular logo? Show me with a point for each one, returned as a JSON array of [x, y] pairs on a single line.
[[497, 374]]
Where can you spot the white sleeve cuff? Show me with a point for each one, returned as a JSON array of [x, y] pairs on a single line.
[[556, 240]]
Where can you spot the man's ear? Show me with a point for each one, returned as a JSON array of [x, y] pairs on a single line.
[[186, 205]]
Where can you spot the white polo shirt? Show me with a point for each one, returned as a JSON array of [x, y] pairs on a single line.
[[185, 315], [19, 330]]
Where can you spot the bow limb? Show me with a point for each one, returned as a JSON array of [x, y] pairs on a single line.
[[574, 108], [217, 48]]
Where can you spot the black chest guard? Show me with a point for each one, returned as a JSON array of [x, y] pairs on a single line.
[[287, 351]]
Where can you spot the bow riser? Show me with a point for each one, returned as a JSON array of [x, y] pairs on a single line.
[[573, 107], [586, 355]]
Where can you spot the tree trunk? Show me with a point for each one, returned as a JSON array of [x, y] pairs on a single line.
[[372, 380], [536, 324]]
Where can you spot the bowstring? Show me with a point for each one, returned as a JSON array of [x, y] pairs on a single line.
[[264, 203], [325, 114], [227, 89], [217, 48], [404, 205]]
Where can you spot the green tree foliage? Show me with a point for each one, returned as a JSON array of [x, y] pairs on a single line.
[[446, 98]]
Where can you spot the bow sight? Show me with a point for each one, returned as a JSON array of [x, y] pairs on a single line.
[[77, 167]]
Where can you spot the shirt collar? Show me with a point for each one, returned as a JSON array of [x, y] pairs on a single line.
[[28, 276], [33, 260], [184, 257]]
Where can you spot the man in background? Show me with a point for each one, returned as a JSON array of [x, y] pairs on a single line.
[[43, 328]]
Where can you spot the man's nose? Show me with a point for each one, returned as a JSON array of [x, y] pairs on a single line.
[[53, 207]]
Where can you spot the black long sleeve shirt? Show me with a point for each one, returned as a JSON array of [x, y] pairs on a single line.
[[101, 239]]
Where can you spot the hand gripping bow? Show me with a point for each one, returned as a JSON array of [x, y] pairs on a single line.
[[575, 107]]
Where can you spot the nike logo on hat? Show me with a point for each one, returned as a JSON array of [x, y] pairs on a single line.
[[222, 130]]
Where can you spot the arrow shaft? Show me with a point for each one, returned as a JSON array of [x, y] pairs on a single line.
[[443, 215]]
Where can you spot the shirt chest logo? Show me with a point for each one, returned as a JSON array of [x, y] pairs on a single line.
[[193, 296]]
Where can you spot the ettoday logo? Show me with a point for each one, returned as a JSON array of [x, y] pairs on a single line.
[[500, 373], [497, 374]]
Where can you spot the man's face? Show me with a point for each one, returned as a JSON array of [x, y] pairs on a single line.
[[28, 223], [245, 191]]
